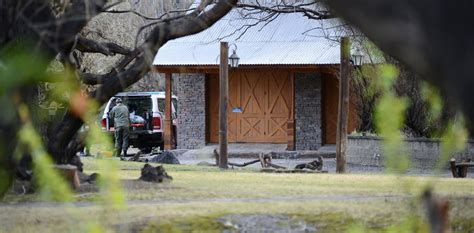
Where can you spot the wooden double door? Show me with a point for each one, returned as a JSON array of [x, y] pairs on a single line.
[[260, 104]]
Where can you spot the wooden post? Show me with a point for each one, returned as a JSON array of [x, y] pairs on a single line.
[[223, 96], [342, 114], [168, 127]]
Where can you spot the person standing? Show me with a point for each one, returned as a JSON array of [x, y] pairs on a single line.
[[121, 118]]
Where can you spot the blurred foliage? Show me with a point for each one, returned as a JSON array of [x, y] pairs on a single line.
[[20, 67], [52, 186], [426, 114], [112, 193], [389, 119], [454, 135], [390, 112], [453, 140], [432, 96], [364, 87]]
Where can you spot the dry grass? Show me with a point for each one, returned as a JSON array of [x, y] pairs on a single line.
[[201, 193]]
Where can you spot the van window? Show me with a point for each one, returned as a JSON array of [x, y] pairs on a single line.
[[161, 105], [175, 104]]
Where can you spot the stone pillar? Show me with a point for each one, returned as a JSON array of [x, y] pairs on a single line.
[[191, 93], [308, 111]]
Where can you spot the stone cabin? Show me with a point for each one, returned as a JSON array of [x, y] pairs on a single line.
[[285, 89]]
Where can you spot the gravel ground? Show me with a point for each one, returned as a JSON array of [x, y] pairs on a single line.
[[329, 164], [265, 224]]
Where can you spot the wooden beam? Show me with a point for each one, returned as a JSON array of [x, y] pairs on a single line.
[[223, 97], [168, 127], [342, 114], [290, 132]]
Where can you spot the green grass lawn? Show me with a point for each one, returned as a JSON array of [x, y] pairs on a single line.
[[197, 196]]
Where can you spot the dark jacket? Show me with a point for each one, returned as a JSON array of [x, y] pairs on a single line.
[[120, 115]]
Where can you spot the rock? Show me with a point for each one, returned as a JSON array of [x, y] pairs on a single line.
[[315, 165], [204, 163], [166, 157], [22, 187], [93, 177], [154, 174]]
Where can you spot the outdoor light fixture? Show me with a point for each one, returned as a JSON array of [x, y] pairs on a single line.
[[357, 57], [234, 59]]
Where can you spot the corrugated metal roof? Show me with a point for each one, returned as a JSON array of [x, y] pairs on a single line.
[[286, 39]]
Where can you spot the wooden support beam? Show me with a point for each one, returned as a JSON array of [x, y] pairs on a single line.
[[290, 132], [168, 122], [343, 106], [223, 97]]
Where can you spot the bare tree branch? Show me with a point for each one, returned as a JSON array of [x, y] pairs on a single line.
[[107, 48], [306, 9], [148, 17], [60, 34]]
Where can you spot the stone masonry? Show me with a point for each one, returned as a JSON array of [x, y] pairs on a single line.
[[191, 92], [424, 153], [308, 111]]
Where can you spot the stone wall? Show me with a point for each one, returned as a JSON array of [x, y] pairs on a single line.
[[191, 92], [308, 111], [424, 153]]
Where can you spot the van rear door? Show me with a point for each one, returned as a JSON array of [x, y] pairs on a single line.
[[140, 108]]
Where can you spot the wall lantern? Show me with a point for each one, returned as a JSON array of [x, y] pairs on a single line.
[[357, 57], [234, 59]]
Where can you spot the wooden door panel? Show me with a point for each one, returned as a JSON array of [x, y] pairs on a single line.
[[278, 106], [252, 100], [251, 128], [277, 128], [279, 93], [252, 93], [213, 109], [266, 101]]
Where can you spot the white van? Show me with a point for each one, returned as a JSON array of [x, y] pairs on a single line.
[[146, 116]]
